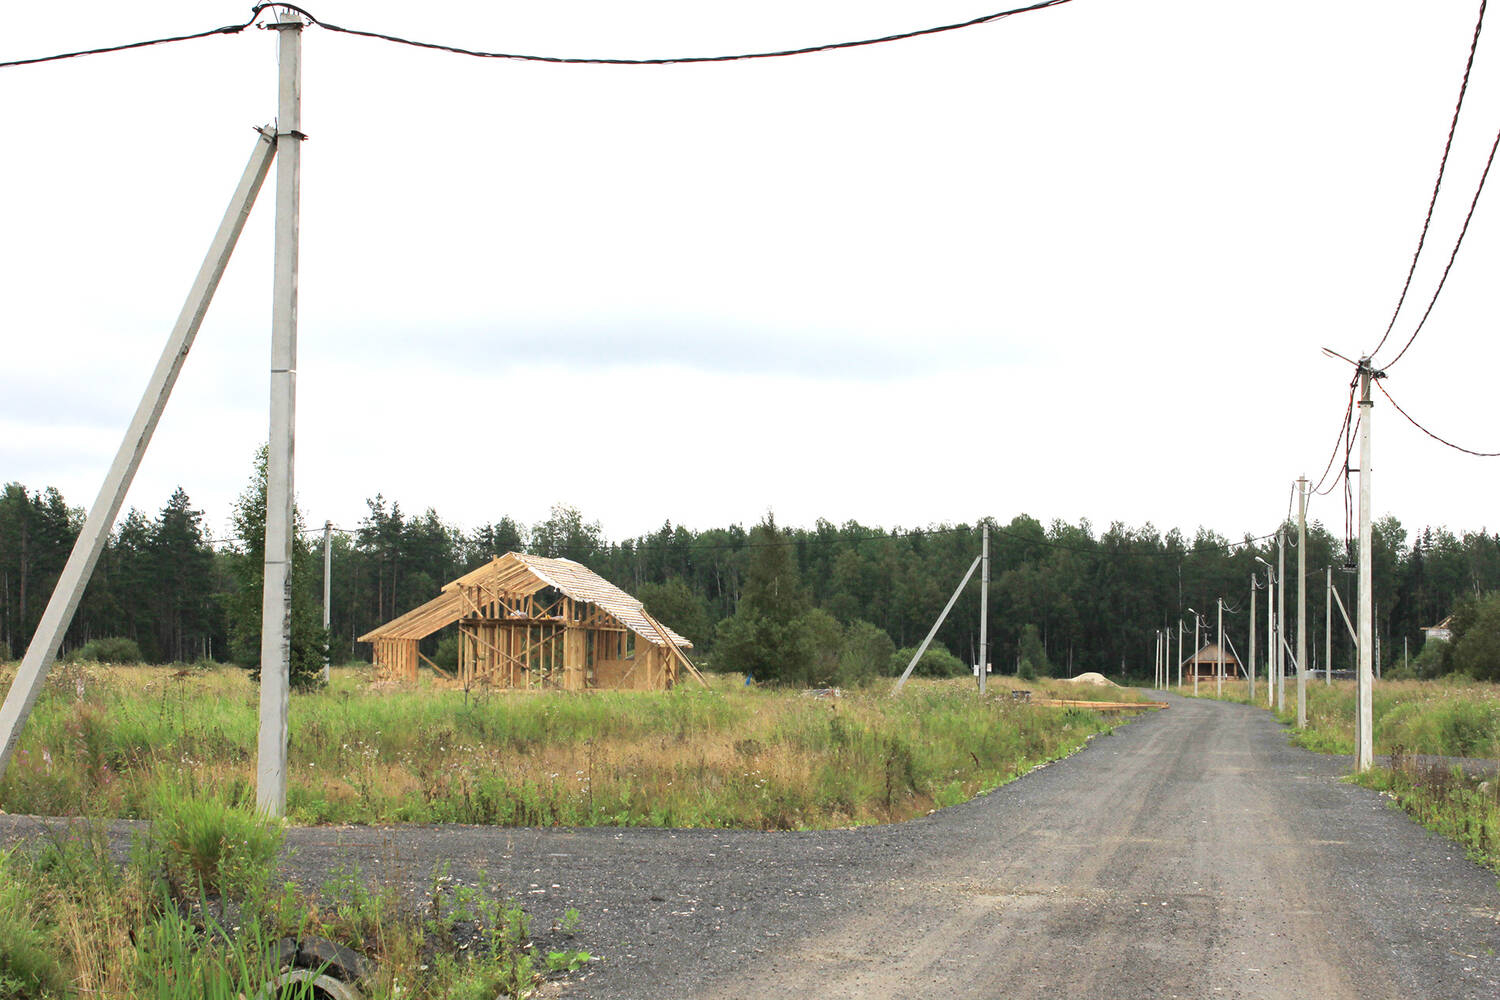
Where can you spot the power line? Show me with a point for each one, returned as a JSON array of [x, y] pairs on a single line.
[[231, 29], [1488, 163], [1338, 440], [1437, 185], [1440, 440], [572, 60], [673, 60]]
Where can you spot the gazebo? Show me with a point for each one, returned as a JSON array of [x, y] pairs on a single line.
[[1205, 663], [527, 621]]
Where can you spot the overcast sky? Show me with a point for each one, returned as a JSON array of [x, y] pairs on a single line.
[[1076, 263]]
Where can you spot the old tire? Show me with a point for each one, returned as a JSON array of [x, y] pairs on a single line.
[[323, 987]]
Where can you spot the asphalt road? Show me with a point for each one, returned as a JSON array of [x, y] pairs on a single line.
[[1192, 853]]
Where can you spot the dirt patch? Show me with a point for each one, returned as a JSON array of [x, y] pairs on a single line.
[[1096, 679]]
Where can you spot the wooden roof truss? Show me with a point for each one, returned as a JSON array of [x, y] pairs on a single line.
[[527, 621]]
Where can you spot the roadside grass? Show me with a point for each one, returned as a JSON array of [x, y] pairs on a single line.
[[75, 922], [1445, 800], [112, 741], [1450, 717]]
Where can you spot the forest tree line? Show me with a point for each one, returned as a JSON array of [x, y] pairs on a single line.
[[781, 601]]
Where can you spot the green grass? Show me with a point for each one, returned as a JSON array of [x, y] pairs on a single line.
[[112, 742], [75, 923]]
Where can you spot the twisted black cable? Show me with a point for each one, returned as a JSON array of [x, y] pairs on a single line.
[[1490, 162], [1338, 440], [1437, 185], [1440, 440], [230, 29], [672, 60]]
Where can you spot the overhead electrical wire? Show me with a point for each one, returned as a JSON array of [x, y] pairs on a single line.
[[1424, 430], [1343, 434], [1490, 162], [674, 60], [1437, 184], [571, 60], [231, 29]]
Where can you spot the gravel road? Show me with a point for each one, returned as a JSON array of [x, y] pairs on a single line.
[[1192, 853]]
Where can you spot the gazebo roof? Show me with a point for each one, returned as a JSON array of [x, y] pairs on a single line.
[[1210, 654]]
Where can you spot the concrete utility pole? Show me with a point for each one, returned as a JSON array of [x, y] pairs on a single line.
[[1280, 621], [1156, 661], [327, 587], [95, 533], [1179, 654], [1365, 752], [1270, 629], [276, 606], [1252, 638], [1219, 692], [1161, 657], [1328, 629], [1301, 602], [984, 607], [1197, 621]]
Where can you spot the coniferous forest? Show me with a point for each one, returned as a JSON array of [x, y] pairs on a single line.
[[805, 604]]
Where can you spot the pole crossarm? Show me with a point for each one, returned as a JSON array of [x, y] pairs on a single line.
[[936, 625], [63, 603]]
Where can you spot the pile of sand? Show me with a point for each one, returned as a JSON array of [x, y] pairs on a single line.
[[1096, 679]]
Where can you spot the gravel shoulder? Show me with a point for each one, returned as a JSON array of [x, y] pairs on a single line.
[[1192, 853]]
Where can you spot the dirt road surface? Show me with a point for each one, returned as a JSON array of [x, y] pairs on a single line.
[[1192, 853]]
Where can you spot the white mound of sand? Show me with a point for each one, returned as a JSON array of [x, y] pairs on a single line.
[[1096, 679]]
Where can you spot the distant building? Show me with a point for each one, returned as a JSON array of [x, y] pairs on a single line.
[[1206, 663], [1442, 630]]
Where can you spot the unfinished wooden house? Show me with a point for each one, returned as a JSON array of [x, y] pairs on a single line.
[[529, 622]]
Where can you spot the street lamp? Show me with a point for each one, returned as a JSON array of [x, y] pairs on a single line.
[[1272, 650]]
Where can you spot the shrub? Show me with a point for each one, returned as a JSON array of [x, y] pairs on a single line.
[[1432, 660], [1033, 653], [446, 654], [822, 641], [116, 649], [866, 654], [935, 662]]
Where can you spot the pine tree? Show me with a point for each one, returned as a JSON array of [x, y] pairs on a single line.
[[309, 641]]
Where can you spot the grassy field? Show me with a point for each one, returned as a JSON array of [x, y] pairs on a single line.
[[195, 911], [109, 741], [1444, 718]]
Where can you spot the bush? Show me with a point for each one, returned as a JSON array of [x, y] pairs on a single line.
[[767, 650], [116, 649], [936, 662], [446, 654], [866, 654], [1033, 655], [822, 641]]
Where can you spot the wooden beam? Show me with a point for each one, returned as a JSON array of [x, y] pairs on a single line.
[[672, 646], [434, 666]]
